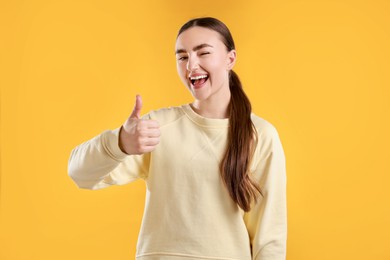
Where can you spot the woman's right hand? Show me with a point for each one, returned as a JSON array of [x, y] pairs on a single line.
[[139, 136]]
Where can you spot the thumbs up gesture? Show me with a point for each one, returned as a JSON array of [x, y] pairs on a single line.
[[138, 136]]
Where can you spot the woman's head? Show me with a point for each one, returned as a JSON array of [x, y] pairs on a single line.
[[206, 55]]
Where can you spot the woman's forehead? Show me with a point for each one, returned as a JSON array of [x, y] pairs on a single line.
[[196, 36]]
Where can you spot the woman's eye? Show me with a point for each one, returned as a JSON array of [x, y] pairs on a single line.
[[204, 53], [182, 58]]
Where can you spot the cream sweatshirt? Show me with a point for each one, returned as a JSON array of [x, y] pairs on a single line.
[[188, 211]]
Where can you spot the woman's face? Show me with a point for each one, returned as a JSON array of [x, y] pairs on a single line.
[[203, 63]]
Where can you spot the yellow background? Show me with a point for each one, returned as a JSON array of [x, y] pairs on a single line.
[[317, 70]]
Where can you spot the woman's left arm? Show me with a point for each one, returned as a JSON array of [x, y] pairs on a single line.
[[267, 220]]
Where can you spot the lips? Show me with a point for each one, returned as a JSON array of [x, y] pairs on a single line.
[[198, 81]]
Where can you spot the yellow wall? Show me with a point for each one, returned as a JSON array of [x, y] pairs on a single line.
[[318, 70]]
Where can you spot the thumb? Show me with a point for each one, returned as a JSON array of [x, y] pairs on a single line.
[[137, 108]]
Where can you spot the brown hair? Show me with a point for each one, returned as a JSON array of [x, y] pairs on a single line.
[[242, 136]]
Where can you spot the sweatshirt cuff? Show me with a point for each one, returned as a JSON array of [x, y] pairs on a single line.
[[111, 143]]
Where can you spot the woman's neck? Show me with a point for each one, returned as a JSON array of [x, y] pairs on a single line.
[[212, 108]]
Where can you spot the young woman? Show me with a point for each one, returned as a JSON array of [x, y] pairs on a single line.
[[215, 172]]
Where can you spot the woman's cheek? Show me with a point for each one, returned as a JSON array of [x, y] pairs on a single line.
[[182, 73]]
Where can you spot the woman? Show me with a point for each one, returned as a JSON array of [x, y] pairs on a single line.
[[215, 172]]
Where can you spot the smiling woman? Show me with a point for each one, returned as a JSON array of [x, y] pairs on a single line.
[[215, 172], [203, 63]]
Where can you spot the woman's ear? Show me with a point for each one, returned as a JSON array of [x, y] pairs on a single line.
[[232, 57]]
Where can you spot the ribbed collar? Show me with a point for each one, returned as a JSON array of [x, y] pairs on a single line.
[[204, 121]]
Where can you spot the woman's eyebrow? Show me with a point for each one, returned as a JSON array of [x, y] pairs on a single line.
[[196, 48]]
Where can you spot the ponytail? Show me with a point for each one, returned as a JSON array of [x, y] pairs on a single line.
[[242, 135], [242, 140]]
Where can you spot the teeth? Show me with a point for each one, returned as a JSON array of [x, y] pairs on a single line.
[[198, 77]]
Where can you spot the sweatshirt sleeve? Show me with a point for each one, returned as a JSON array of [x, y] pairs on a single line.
[[99, 163], [267, 220]]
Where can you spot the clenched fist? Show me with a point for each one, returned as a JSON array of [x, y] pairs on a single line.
[[138, 136]]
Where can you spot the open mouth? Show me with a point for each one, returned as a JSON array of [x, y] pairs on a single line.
[[199, 80]]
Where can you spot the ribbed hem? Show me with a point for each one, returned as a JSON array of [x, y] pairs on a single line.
[[179, 256]]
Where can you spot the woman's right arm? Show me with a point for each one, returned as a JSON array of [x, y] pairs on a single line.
[[99, 162], [115, 156]]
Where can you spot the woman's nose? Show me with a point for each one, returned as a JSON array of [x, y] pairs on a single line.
[[192, 64]]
